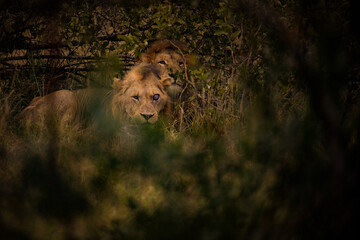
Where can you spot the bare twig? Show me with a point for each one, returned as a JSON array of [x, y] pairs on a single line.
[[192, 83], [114, 37]]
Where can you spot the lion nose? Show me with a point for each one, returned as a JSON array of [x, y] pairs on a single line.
[[173, 76], [147, 116]]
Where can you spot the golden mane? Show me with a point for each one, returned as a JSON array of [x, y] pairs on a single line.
[[160, 45]]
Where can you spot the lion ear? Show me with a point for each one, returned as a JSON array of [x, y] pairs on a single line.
[[148, 57], [117, 83], [137, 73]]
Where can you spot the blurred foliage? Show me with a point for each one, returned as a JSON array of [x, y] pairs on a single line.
[[265, 145]]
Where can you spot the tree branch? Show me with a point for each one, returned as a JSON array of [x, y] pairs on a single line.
[[25, 43], [25, 57]]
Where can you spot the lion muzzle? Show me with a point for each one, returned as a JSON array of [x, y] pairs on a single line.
[[146, 116], [173, 77]]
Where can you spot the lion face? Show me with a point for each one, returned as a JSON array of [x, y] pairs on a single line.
[[171, 64], [141, 95], [165, 55]]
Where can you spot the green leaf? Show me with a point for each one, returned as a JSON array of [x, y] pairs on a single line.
[[220, 32]]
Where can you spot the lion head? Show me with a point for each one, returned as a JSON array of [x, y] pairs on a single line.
[[167, 55], [141, 94]]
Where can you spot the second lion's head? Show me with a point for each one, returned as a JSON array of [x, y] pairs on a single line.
[[141, 94], [168, 56]]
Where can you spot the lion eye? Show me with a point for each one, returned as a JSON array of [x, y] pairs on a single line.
[[136, 97], [156, 97], [162, 62]]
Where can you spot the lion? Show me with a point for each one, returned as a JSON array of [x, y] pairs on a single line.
[[168, 56], [141, 96]]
